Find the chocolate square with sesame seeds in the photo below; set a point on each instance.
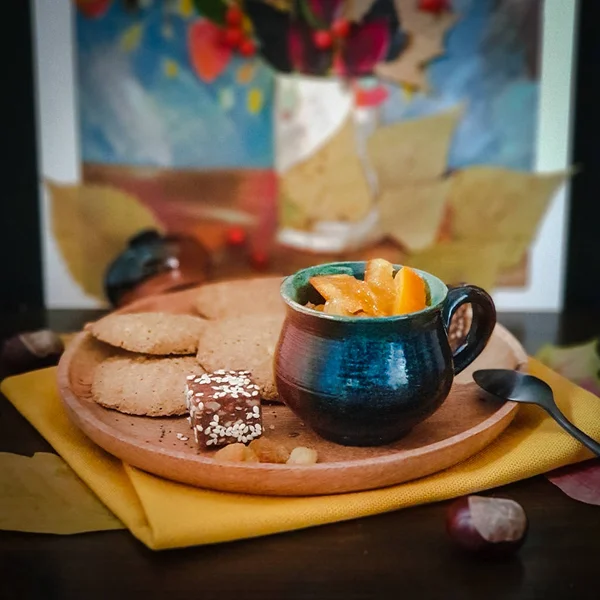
(224, 408)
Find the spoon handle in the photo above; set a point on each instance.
(585, 439)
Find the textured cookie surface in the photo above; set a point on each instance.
(141, 385)
(150, 333)
(226, 299)
(243, 343)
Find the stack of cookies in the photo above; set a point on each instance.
(216, 366)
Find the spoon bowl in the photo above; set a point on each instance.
(506, 384)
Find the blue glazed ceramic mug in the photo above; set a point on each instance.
(366, 381)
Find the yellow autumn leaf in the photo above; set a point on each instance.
(330, 184)
(131, 38)
(91, 225)
(255, 101)
(413, 150)
(412, 214)
(41, 494)
(466, 260)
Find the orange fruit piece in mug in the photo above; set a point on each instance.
(411, 295)
(346, 295)
(337, 306)
(379, 275)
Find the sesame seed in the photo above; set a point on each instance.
(255, 393)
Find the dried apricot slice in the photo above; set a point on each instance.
(379, 275)
(411, 295)
(346, 295)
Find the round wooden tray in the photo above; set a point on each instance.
(463, 426)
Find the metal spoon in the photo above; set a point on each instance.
(505, 384)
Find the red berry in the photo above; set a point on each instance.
(259, 260)
(234, 16)
(232, 38)
(236, 236)
(323, 39)
(247, 48)
(341, 28)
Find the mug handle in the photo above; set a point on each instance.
(482, 325)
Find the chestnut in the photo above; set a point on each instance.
(487, 526)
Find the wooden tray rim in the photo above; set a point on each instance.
(84, 420)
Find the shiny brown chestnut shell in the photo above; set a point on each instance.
(487, 526)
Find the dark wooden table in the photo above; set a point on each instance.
(400, 555)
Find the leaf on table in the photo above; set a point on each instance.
(42, 494)
(92, 225)
(579, 363)
(580, 482)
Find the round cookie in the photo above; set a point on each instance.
(226, 299)
(243, 343)
(141, 385)
(150, 333)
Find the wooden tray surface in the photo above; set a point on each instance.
(463, 426)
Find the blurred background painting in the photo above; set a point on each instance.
(282, 133)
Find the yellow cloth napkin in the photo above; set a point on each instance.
(163, 514)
